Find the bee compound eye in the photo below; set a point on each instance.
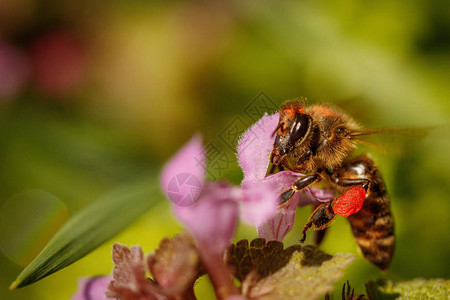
(299, 129)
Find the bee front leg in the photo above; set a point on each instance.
(298, 186)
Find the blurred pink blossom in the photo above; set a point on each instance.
(14, 71)
(59, 63)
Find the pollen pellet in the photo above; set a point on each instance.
(350, 202)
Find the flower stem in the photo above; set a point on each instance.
(188, 294)
(220, 275)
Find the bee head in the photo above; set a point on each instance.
(293, 128)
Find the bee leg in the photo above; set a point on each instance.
(319, 234)
(304, 182)
(286, 196)
(320, 219)
(305, 229)
(298, 186)
(351, 182)
(304, 158)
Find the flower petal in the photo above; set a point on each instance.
(213, 218)
(183, 176)
(322, 195)
(255, 147)
(278, 227)
(314, 196)
(92, 288)
(282, 181)
(259, 203)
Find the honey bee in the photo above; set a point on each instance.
(318, 141)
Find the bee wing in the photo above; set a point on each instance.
(391, 141)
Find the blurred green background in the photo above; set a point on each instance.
(95, 93)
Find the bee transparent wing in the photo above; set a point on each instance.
(396, 142)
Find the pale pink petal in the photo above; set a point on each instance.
(213, 218)
(278, 227)
(259, 203)
(255, 147)
(92, 288)
(182, 178)
(322, 195)
(314, 196)
(282, 181)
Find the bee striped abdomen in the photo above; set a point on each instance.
(373, 225)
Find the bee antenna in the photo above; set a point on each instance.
(378, 148)
(276, 129)
(420, 132)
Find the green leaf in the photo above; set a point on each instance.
(264, 258)
(413, 289)
(309, 274)
(90, 228)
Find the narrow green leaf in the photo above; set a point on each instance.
(90, 228)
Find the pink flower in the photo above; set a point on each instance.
(254, 149)
(92, 288)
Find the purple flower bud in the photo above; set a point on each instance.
(92, 288)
